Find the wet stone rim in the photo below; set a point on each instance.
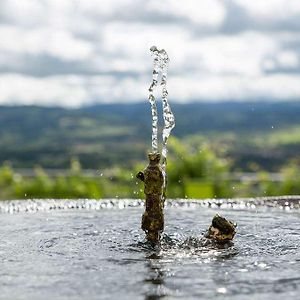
(285, 203)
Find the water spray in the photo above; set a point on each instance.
(154, 176)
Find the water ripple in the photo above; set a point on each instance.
(99, 252)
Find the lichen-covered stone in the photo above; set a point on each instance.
(153, 217)
(221, 230)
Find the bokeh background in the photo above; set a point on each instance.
(74, 75)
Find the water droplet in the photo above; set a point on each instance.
(243, 270)
(262, 265)
(222, 290)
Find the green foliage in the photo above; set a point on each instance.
(195, 166)
(194, 171)
(195, 189)
(7, 181)
(291, 179)
(265, 186)
(75, 185)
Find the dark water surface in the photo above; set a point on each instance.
(98, 253)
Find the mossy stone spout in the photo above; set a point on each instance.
(153, 217)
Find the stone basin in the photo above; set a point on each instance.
(89, 249)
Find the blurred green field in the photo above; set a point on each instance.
(253, 136)
(210, 145)
(193, 172)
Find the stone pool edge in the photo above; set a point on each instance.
(285, 203)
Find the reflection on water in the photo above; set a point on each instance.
(101, 254)
(171, 250)
(154, 279)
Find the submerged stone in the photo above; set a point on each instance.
(221, 230)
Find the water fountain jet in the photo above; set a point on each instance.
(154, 176)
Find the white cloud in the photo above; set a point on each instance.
(212, 54)
(208, 59)
(103, 7)
(25, 12)
(288, 59)
(233, 87)
(29, 11)
(233, 54)
(205, 13)
(18, 89)
(271, 10)
(130, 44)
(73, 91)
(69, 91)
(56, 43)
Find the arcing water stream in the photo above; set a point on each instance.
(154, 175)
(160, 68)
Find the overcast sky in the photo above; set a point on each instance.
(79, 52)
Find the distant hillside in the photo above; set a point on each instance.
(266, 134)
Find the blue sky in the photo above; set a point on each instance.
(78, 52)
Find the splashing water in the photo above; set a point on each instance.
(160, 67)
(169, 119)
(152, 100)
